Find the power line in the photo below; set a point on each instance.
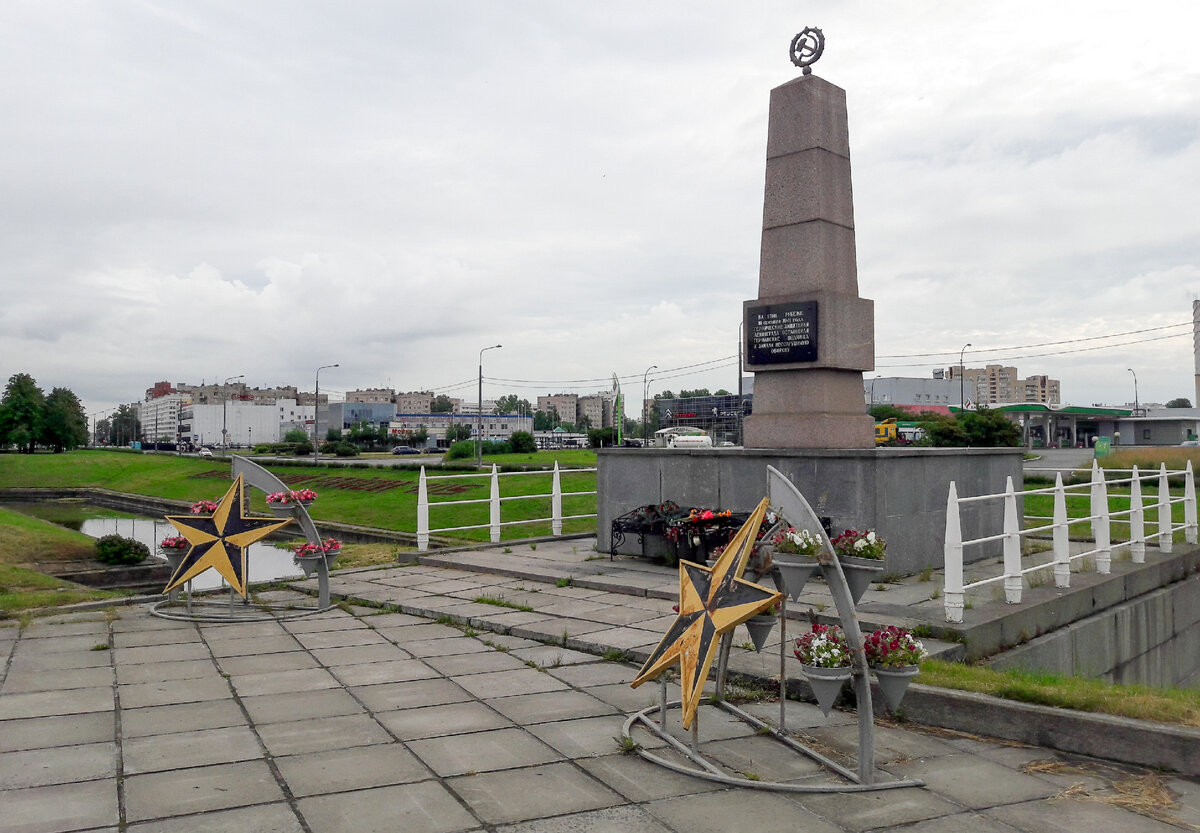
(1043, 344)
(1057, 352)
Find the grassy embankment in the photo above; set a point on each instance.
(1147, 460)
(25, 541)
(1163, 705)
(369, 496)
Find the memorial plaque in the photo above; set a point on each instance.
(781, 333)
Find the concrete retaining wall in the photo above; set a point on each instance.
(1153, 640)
(900, 492)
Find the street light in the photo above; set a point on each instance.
(873, 381)
(316, 409)
(1135, 392)
(479, 409)
(645, 396)
(962, 399)
(225, 413)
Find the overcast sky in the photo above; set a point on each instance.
(196, 190)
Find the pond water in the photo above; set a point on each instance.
(265, 561)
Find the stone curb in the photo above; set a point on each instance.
(1157, 745)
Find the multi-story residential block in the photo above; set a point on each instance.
(599, 410)
(374, 396)
(566, 405)
(159, 415)
(414, 402)
(997, 384)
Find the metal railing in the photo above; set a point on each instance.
(494, 501)
(1100, 516)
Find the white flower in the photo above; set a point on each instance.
(871, 536)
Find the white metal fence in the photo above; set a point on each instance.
(1100, 516)
(494, 501)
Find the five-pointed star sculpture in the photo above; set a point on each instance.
(711, 603)
(219, 540)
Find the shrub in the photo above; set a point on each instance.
(345, 449)
(114, 549)
(522, 442)
(461, 450)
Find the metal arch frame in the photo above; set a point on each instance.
(261, 479)
(787, 501)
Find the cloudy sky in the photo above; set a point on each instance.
(197, 190)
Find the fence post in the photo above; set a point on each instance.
(495, 506)
(953, 559)
(556, 504)
(1100, 521)
(1137, 520)
(1191, 528)
(1165, 535)
(1012, 547)
(1062, 541)
(422, 514)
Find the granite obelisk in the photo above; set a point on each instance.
(809, 336)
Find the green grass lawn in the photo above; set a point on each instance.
(25, 541)
(1078, 505)
(1163, 705)
(385, 498)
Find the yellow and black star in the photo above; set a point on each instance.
(219, 540)
(712, 602)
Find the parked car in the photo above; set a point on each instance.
(404, 449)
(1189, 444)
(204, 452)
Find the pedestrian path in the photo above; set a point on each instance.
(496, 709)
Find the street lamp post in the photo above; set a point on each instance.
(962, 398)
(873, 381)
(1135, 393)
(225, 413)
(317, 409)
(479, 409)
(645, 396)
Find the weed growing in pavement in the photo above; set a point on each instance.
(500, 601)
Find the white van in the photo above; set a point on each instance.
(689, 441)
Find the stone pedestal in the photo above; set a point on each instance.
(899, 492)
(809, 398)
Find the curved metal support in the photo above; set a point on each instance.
(263, 480)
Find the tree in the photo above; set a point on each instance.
(64, 424)
(522, 442)
(442, 404)
(511, 404)
(1181, 402)
(601, 437)
(666, 394)
(295, 435)
(457, 432)
(882, 412)
(983, 428)
(722, 392)
(124, 426)
(689, 394)
(21, 411)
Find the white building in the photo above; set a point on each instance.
(294, 416)
(159, 417)
(246, 424)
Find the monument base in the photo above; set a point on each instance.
(786, 431)
(899, 492)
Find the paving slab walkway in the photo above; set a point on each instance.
(502, 716)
